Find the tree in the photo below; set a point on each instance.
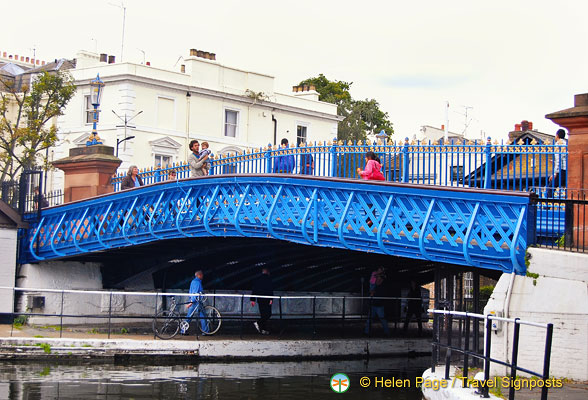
(361, 117)
(25, 119)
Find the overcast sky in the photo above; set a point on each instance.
(507, 60)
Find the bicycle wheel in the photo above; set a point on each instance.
(166, 324)
(212, 321)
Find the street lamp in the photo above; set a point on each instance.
(119, 141)
(96, 89)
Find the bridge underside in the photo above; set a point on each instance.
(231, 263)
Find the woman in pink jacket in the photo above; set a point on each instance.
(371, 172)
(372, 168)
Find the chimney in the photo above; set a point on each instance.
(4, 54)
(193, 52)
(213, 56)
(443, 127)
(183, 68)
(103, 57)
(148, 63)
(111, 59)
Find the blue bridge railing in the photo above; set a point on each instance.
(481, 228)
(505, 166)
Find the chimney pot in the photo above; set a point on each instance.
(193, 52)
(103, 57)
(4, 54)
(42, 62)
(305, 88)
(312, 87)
(443, 127)
(27, 59)
(213, 56)
(148, 63)
(206, 55)
(183, 69)
(294, 88)
(10, 57)
(111, 59)
(21, 58)
(199, 53)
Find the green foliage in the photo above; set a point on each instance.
(486, 292)
(124, 331)
(561, 242)
(38, 336)
(361, 117)
(534, 276)
(26, 120)
(19, 321)
(45, 346)
(47, 370)
(93, 331)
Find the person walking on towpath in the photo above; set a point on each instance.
(195, 305)
(262, 286)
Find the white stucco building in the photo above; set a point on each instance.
(231, 109)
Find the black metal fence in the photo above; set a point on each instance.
(57, 306)
(28, 195)
(562, 222)
(490, 324)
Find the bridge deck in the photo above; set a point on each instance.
(482, 228)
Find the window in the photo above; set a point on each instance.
(165, 113)
(89, 110)
(231, 122)
(468, 285)
(300, 134)
(162, 160)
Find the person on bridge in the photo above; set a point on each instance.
(195, 304)
(372, 169)
(415, 306)
(263, 286)
(284, 163)
(132, 180)
(560, 166)
(306, 164)
(197, 163)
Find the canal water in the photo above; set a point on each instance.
(224, 381)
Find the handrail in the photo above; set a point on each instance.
(513, 365)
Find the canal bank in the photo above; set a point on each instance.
(31, 348)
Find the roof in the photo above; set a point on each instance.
(11, 69)
(9, 217)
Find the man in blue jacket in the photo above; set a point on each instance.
(194, 306)
(284, 163)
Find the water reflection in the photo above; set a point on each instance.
(250, 380)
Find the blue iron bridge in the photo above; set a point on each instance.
(482, 228)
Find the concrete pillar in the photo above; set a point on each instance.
(575, 120)
(88, 171)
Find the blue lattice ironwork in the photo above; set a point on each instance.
(462, 226)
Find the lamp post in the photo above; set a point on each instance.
(119, 141)
(96, 88)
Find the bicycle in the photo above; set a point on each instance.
(167, 323)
